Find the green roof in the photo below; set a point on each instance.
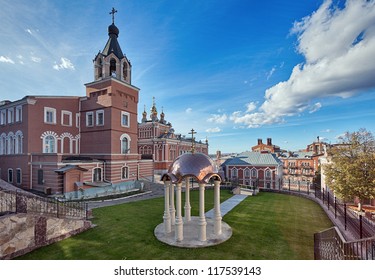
(254, 158)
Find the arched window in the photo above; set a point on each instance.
(112, 67)
(18, 142)
(234, 173)
(49, 144)
(100, 68)
(253, 173)
(124, 172)
(3, 144)
(268, 174)
(247, 173)
(11, 143)
(97, 174)
(125, 70)
(125, 144)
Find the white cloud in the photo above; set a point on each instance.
(36, 59)
(251, 106)
(216, 118)
(29, 31)
(315, 107)
(65, 64)
(328, 130)
(188, 110)
(270, 73)
(338, 45)
(6, 59)
(213, 130)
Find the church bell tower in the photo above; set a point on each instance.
(111, 61)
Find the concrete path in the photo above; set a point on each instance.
(227, 205)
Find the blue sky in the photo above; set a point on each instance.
(235, 71)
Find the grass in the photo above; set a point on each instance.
(267, 226)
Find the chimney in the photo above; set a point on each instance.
(269, 141)
(260, 141)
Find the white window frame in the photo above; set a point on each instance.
(127, 172)
(3, 117)
(49, 110)
(121, 146)
(10, 115)
(69, 114)
(47, 148)
(87, 119)
(19, 113)
(234, 173)
(125, 114)
(78, 119)
(98, 112)
(101, 174)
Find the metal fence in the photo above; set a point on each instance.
(358, 225)
(330, 245)
(20, 202)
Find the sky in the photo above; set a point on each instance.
(235, 71)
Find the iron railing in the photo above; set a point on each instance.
(330, 245)
(20, 202)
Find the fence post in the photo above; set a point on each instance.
(315, 189)
(328, 199)
(299, 186)
(57, 208)
(289, 184)
(360, 226)
(335, 207)
(323, 196)
(308, 188)
(345, 214)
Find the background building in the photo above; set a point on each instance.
(158, 141)
(260, 169)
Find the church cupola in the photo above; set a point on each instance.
(154, 111)
(144, 115)
(112, 62)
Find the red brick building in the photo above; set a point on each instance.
(157, 140)
(269, 147)
(57, 144)
(260, 169)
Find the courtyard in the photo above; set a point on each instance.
(268, 226)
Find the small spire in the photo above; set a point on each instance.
(113, 15)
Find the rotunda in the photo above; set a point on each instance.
(191, 231)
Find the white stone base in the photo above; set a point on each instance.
(191, 234)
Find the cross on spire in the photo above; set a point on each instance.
(113, 15)
(192, 140)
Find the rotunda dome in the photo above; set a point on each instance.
(196, 165)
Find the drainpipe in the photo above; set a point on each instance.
(31, 171)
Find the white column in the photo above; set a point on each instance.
(179, 222)
(172, 210)
(217, 212)
(202, 218)
(166, 217)
(187, 201)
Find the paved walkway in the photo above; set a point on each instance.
(227, 205)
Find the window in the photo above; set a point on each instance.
(268, 174)
(3, 116)
(125, 119)
(19, 114)
(18, 176)
(66, 118)
(247, 173)
(49, 144)
(77, 120)
(89, 119)
(97, 174)
(100, 117)
(40, 177)
(253, 173)
(124, 172)
(10, 115)
(2, 145)
(125, 144)
(49, 115)
(10, 175)
(234, 173)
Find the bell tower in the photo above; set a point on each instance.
(111, 61)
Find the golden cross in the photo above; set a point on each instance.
(192, 140)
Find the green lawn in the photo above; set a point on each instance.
(267, 226)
